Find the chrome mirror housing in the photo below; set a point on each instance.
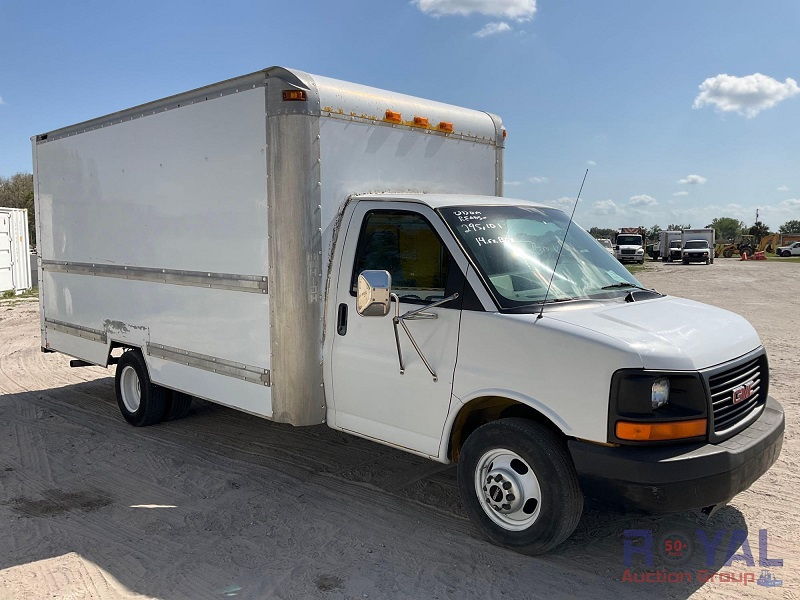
(373, 298)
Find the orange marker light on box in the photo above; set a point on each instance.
(289, 95)
(420, 121)
(393, 117)
(445, 126)
(673, 430)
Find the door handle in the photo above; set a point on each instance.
(341, 319)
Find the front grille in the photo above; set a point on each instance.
(628, 251)
(723, 385)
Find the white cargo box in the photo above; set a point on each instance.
(198, 228)
(15, 274)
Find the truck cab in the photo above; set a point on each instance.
(629, 248)
(455, 332)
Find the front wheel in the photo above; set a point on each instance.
(786, 253)
(519, 485)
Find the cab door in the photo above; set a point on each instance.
(370, 396)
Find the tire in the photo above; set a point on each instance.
(141, 402)
(786, 253)
(708, 261)
(532, 461)
(686, 262)
(177, 405)
(727, 253)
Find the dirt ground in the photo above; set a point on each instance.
(225, 505)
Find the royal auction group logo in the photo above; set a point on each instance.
(675, 549)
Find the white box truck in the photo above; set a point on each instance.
(669, 245)
(246, 243)
(15, 274)
(697, 245)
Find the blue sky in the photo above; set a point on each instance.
(611, 84)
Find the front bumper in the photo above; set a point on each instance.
(696, 257)
(673, 478)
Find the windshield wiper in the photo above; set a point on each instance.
(623, 284)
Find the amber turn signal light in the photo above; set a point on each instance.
(393, 117)
(421, 121)
(446, 127)
(289, 95)
(674, 430)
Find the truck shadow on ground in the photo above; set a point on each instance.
(222, 504)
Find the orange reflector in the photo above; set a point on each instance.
(393, 117)
(660, 431)
(505, 133)
(289, 95)
(421, 121)
(446, 127)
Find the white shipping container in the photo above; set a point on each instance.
(14, 250)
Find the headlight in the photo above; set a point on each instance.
(659, 393)
(655, 400)
(639, 251)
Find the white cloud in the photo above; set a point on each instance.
(565, 202)
(591, 163)
(791, 203)
(693, 179)
(747, 95)
(513, 182)
(492, 29)
(681, 193)
(642, 200)
(605, 207)
(517, 10)
(1, 100)
(538, 179)
(781, 188)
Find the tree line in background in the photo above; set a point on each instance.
(17, 192)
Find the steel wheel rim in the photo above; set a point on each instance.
(130, 389)
(507, 489)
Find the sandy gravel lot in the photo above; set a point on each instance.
(224, 505)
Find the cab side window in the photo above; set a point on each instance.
(407, 246)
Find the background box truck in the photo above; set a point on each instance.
(315, 251)
(15, 273)
(692, 248)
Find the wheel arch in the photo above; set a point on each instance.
(488, 407)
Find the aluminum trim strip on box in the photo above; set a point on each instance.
(223, 281)
(88, 333)
(210, 363)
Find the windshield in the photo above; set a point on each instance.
(629, 240)
(675, 244)
(696, 244)
(605, 243)
(515, 248)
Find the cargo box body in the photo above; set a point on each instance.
(198, 228)
(15, 275)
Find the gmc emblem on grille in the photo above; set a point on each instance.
(743, 392)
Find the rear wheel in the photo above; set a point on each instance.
(727, 253)
(519, 485)
(786, 253)
(177, 405)
(140, 401)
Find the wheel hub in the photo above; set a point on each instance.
(508, 489)
(501, 491)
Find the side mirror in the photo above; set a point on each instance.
(374, 293)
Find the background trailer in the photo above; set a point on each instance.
(15, 274)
